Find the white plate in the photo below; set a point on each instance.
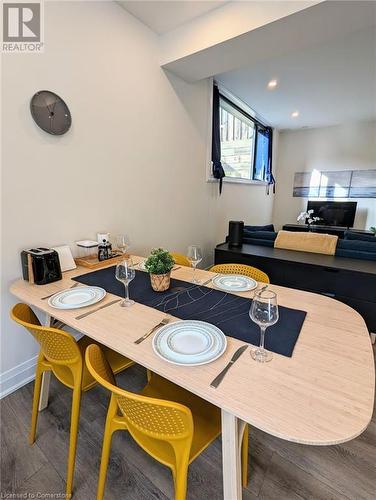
(87, 243)
(141, 265)
(189, 343)
(74, 298)
(234, 283)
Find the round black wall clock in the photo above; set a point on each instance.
(50, 112)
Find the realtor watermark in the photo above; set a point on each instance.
(22, 27)
(35, 496)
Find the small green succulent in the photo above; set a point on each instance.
(373, 229)
(159, 262)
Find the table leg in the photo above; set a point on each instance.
(232, 433)
(43, 400)
(44, 390)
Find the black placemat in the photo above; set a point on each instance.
(187, 301)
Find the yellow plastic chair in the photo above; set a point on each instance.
(171, 424)
(250, 271)
(61, 354)
(180, 259)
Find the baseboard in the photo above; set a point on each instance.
(16, 377)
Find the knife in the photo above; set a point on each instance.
(260, 290)
(98, 309)
(51, 294)
(218, 379)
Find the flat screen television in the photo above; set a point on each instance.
(334, 213)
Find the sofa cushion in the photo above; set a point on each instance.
(356, 249)
(263, 235)
(352, 235)
(355, 254)
(268, 227)
(306, 242)
(259, 241)
(354, 245)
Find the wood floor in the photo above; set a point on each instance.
(278, 469)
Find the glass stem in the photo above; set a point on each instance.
(262, 337)
(194, 273)
(126, 292)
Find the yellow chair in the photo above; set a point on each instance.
(61, 354)
(171, 424)
(251, 272)
(180, 259)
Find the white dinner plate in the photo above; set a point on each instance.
(74, 298)
(234, 283)
(141, 265)
(189, 343)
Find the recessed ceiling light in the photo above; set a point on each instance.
(272, 84)
(295, 114)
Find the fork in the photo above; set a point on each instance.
(208, 281)
(48, 296)
(161, 323)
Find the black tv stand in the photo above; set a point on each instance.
(336, 230)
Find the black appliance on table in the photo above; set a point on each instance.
(40, 265)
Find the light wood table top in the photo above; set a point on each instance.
(322, 395)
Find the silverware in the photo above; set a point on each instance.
(48, 296)
(259, 290)
(161, 323)
(98, 309)
(208, 281)
(176, 268)
(218, 379)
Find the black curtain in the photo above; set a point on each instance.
(218, 172)
(269, 174)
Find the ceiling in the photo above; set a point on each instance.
(165, 16)
(323, 58)
(327, 84)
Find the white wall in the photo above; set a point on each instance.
(343, 147)
(134, 159)
(248, 203)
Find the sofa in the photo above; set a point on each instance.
(353, 245)
(348, 276)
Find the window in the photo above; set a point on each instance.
(245, 144)
(237, 142)
(262, 151)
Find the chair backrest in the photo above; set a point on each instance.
(156, 418)
(250, 271)
(57, 346)
(180, 259)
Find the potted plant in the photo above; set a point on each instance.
(159, 265)
(373, 230)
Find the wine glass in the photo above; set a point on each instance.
(122, 242)
(194, 256)
(125, 273)
(264, 312)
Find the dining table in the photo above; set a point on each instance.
(322, 395)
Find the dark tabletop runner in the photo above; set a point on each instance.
(228, 312)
